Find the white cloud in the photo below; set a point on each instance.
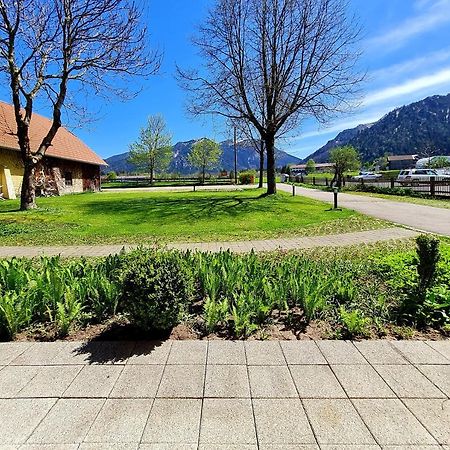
(409, 87)
(432, 15)
(413, 65)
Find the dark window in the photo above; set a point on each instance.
(68, 178)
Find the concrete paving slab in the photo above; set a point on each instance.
(155, 352)
(227, 381)
(391, 423)
(75, 353)
(418, 352)
(168, 447)
(288, 447)
(228, 447)
(107, 446)
(50, 381)
(94, 381)
(271, 382)
(264, 353)
(316, 381)
(109, 352)
(362, 381)
(138, 381)
(68, 422)
(182, 382)
(40, 355)
(19, 417)
(282, 421)
(15, 378)
(443, 347)
(341, 352)
(174, 421)
(47, 447)
(227, 421)
(302, 352)
(439, 375)
(434, 414)
(351, 447)
(226, 352)
(188, 352)
(120, 420)
(335, 421)
(380, 352)
(11, 350)
(408, 382)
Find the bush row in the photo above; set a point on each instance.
(227, 293)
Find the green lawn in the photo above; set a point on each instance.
(169, 216)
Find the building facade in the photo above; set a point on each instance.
(69, 165)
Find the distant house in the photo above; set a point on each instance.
(69, 165)
(320, 167)
(400, 162)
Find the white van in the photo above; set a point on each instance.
(409, 175)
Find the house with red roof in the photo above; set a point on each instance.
(69, 165)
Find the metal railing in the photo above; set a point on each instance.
(434, 186)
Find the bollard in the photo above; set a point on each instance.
(335, 194)
(194, 187)
(293, 190)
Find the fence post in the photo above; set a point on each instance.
(314, 181)
(301, 178)
(326, 182)
(432, 186)
(362, 182)
(392, 183)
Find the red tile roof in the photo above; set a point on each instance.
(65, 144)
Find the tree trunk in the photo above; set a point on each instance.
(28, 193)
(151, 175)
(261, 164)
(270, 150)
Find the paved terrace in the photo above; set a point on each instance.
(186, 395)
(337, 240)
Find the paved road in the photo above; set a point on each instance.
(336, 240)
(224, 395)
(420, 217)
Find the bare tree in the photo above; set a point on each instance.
(47, 46)
(273, 63)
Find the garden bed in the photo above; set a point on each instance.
(383, 291)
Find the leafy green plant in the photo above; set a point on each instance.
(427, 260)
(68, 310)
(354, 322)
(215, 313)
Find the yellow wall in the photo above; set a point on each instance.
(11, 160)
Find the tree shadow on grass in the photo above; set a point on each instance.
(182, 209)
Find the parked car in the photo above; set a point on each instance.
(409, 175)
(367, 176)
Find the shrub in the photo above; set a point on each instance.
(427, 261)
(157, 287)
(247, 177)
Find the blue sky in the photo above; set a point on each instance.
(406, 47)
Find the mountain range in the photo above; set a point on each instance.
(247, 158)
(417, 128)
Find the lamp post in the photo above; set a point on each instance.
(335, 195)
